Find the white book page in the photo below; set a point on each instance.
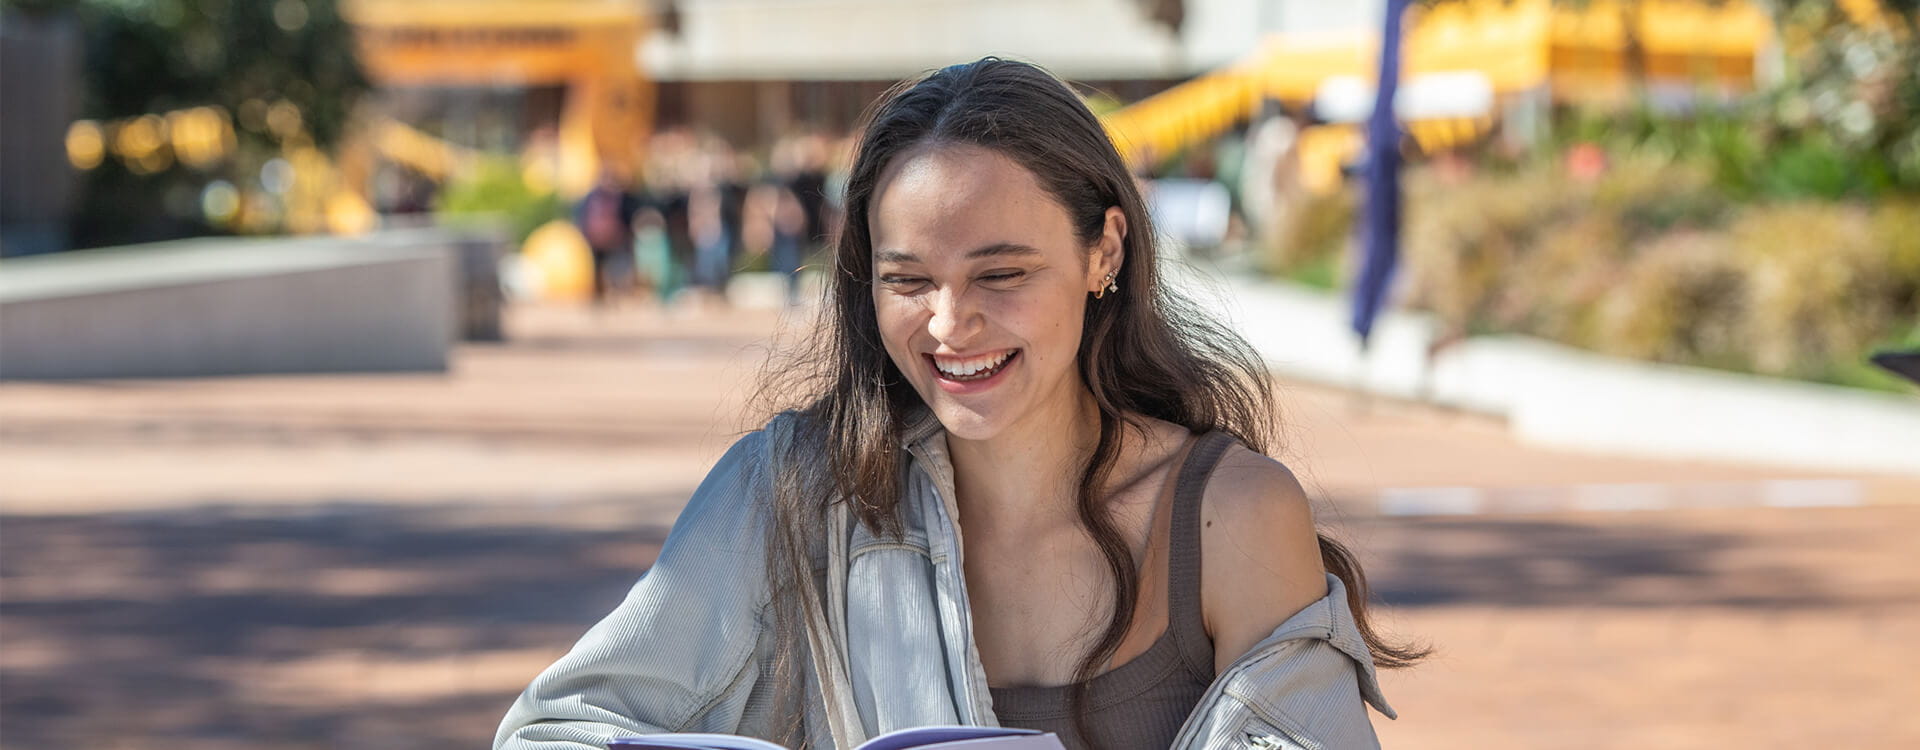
(969, 737)
(691, 742)
(1015, 742)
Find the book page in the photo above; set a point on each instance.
(970, 737)
(691, 742)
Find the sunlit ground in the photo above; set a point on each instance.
(385, 561)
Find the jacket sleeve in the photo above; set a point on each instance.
(1306, 686)
(679, 653)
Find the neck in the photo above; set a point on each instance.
(1029, 473)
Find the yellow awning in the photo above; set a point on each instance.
(1516, 44)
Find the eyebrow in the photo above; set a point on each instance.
(984, 251)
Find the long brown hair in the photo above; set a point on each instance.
(1143, 352)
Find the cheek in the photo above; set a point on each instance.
(1051, 320)
(1067, 325)
(898, 320)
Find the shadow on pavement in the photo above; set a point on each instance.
(338, 625)
(368, 626)
(1763, 559)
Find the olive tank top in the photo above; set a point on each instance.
(1143, 703)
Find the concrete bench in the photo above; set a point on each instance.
(387, 302)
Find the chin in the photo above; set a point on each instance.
(964, 423)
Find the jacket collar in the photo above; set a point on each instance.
(921, 426)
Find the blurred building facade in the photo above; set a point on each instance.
(752, 69)
(572, 87)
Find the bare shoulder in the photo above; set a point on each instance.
(1151, 447)
(1260, 556)
(1251, 489)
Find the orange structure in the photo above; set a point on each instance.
(588, 47)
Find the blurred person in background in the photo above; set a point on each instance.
(653, 253)
(997, 355)
(713, 215)
(805, 175)
(1270, 160)
(775, 223)
(737, 171)
(605, 217)
(669, 173)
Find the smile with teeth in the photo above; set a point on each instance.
(972, 368)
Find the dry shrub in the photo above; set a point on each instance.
(1821, 287)
(1896, 226)
(1312, 231)
(1535, 251)
(1649, 195)
(1555, 289)
(1652, 262)
(1463, 240)
(1681, 300)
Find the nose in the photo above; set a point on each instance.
(955, 320)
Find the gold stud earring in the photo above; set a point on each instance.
(1107, 285)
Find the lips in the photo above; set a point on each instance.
(971, 371)
(972, 368)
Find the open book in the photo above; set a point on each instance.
(918, 738)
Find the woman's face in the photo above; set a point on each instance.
(980, 286)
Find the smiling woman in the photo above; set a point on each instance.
(980, 289)
(1021, 484)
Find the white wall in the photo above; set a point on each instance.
(1321, 16)
(885, 39)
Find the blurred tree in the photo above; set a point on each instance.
(1842, 120)
(496, 190)
(1845, 119)
(283, 70)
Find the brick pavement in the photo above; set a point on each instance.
(382, 561)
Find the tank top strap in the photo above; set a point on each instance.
(1185, 621)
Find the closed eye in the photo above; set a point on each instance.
(1003, 276)
(902, 283)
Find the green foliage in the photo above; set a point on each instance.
(154, 56)
(148, 56)
(1101, 102)
(1747, 158)
(495, 190)
(1843, 122)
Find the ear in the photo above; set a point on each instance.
(1107, 253)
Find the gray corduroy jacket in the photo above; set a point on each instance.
(688, 649)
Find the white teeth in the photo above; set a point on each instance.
(967, 367)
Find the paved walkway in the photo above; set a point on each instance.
(383, 561)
